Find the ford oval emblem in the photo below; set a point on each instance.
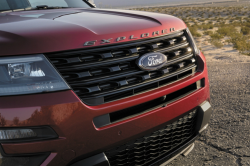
(152, 61)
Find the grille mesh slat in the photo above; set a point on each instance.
(110, 73)
(152, 147)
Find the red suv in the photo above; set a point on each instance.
(81, 86)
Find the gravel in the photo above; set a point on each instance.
(226, 142)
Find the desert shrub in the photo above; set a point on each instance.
(187, 23)
(240, 42)
(226, 30)
(196, 26)
(208, 33)
(243, 46)
(247, 24)
(210, 26)
(216, 36)
(194, 31)
(238, 18)
(217, 43)
(245, 30)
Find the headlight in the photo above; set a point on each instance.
(196, 49)
(28, 74)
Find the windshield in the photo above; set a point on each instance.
(25, 4)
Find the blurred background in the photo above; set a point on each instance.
(141, 3)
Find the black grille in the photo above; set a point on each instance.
(110, 73)
(151, 148)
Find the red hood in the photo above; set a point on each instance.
(32, 32)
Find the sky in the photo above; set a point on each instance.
(130, 3)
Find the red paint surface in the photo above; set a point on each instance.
(72, 119)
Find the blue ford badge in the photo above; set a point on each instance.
(152, 61)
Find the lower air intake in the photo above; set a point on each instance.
(148, 149)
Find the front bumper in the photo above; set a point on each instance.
(73, 121)
(204, 112)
